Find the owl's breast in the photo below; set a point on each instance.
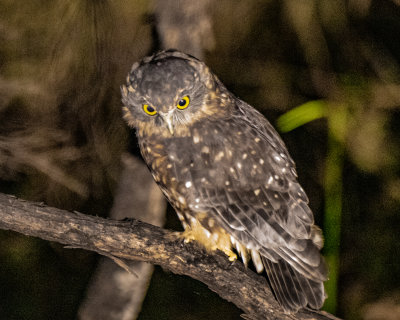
(170, 161)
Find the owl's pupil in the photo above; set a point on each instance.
(182, 102)
(150, 109)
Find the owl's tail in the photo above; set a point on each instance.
(292, 289)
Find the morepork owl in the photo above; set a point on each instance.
(227, 173)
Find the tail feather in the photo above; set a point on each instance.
(313, 290)
(293, 290)
(300, 262)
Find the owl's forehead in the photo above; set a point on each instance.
(166, 77)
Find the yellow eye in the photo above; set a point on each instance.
(183, 103)
(149, 110)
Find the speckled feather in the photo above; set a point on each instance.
(226, 169)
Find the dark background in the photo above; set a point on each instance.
(62, 136)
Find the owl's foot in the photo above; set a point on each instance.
(187, 235)
(214, 239)
(231, 255)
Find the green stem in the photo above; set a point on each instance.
(333, 207)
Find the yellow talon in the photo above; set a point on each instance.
(231, 255)
(217, 240)
(187, 235)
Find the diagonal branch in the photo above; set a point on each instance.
(135, 240)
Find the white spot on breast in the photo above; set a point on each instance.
(270, 180)
(257, 192)
(203, 179)
(261, 161)
(181, 199)
(205, 149)
(196, 139)
(283, 170)
(227, 183)
(197, 200)
(188, 184)
(169, 166)
(148, 149)
(239, 165)
(173, 179)
(244, 156)
(239, 133)
(277, 158)
(276, 177)
(253, 152)
(231, 170)
(219, 156)
(211, 223)
(257, 139)
(276, 196)
(254, 166)
(207, 233)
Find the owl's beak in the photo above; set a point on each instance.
(167, 118)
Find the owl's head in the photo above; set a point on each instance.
(167, 92)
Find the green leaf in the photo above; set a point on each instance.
(301, 115)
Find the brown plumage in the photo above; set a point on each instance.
(226, 172)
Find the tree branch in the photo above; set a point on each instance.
(135, 240)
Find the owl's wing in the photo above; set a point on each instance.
(249, 185)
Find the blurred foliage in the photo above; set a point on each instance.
(298, 116)
(337, 124)
(61, 134)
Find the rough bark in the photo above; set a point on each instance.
(135, 240)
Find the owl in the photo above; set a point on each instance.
(227, 174)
